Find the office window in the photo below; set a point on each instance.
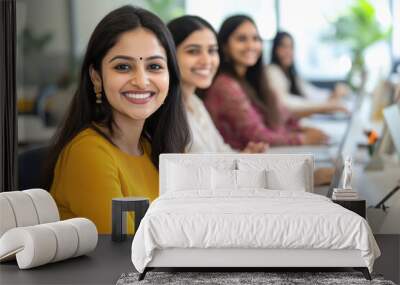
(262, 11)
(317, 59)
(396, 29)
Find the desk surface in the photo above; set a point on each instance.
(110, 259)
(102, 266)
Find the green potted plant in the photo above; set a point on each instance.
(358, 28)
(166, 9)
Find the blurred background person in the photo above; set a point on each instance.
(240, 100)
(198, 59)
(299, 96)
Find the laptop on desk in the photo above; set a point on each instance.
(339, 165)
(335, 153)
(348, 147)
(392, 119)
(328, 152)
(344, 135)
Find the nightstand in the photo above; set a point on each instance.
(120, 206)
(357, 206)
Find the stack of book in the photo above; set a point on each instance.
(344, 194)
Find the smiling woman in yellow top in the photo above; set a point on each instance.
(126, 111)
(91, 171)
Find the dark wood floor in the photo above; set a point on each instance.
(389, 262)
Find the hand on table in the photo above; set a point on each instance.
(312, 136)
(256, 147)
(323, 176)
(339, 91)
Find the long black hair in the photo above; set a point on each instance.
(166, 129)
(259, 92)
(290, 72)
(184, 26)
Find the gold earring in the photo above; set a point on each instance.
(97, 91)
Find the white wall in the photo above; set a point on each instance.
(88, 14)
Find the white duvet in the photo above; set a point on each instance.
(250, 219)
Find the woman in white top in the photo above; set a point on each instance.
(300, 97)
(198, 59)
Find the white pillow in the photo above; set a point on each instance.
(279, 180)
(182, 177)
(223, 179)
(251, 178)
(227, 179)
(283, 173)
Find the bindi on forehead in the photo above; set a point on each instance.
(136, 58)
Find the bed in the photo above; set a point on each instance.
(246, 211)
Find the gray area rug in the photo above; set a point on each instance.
(269, 278)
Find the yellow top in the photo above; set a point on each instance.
(90, 171)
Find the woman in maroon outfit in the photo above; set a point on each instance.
(240, 101)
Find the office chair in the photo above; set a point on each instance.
(30, 168)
